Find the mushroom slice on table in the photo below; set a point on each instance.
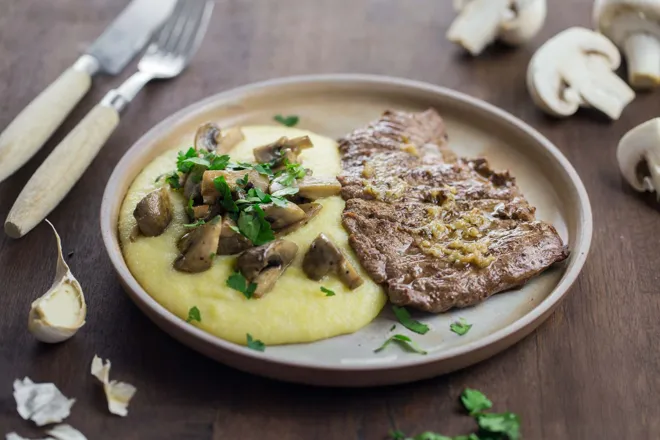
(210, 193)
(324, 257)
(575, 69)
(154, 212)
(231, 241)
(281, 150)
(481, 22)
(634, 26)
(198, 247)
(281, 216)
(311, 210)
(263, 265)
(311, 188)
(638, 155)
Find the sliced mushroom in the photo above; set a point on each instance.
(209, 192)
(324, 257)
(201, 212)
(281, 149)
(311, 209)
(263, 265)
(311, 188)
(282, 216)
(192, 189)
(575, 68)
(231, 138)
(231, 242)
(154, 212)
(638, 155)
(198, 247)
(208, 137)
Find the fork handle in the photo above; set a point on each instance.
(61, 170)
(36, 123)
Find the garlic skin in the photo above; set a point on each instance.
(61, 311)
(118, 394)
(43, 403)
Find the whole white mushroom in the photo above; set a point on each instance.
(574, 69)
(634, 26)
(481, 22)
(641, 146)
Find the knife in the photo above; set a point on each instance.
(109, 54)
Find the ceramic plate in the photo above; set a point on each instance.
(333, 105)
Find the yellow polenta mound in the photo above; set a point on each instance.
(295, 310)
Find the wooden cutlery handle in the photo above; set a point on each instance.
(27, 133)
(61, 170)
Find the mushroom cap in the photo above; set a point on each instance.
(640, 144)
(527, 22)
(618, 19)
(558, 62)
(208, 136)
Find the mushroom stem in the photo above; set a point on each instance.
(643, 54)
(478, 24)
(652, 182)
(603, 89)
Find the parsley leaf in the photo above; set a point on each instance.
(431, 436)
(289, 121)
(199, 222)
(182, 163)
(238, 282)
(288, 191)
(404, 341)
(290, 174)
(397, 435)
(327, 291)
(460, 327)
(255, 344)
(404, 318)
(254, 226)
(505, 423)
(194, 315)
(174, 180)
(217, 162)
(189, 208)
(263, 168)
(243, 181)
(227, 201)
(393, 327)
(475, 401)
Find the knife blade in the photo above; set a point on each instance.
(112, 50)
(129, 33)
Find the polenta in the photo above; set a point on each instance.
(295, 310)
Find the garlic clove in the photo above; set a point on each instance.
(61, 311)
(118, 394)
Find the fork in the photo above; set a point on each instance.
(166, 57)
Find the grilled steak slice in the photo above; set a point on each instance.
(438, 231)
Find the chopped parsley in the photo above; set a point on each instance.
(255, 344)
(289, 121)
(217, 162)
(460, 327)
(397, 435)
(243, 181)
(507, 424)
(227, 201)
(288, 191)
(253, 224)
(189, 209)
(327, 291)
(475, 401)
(199, 222)
(263, 168)
(393, 327)
(183, 165)
(403, 340)
(194, 315)
(238, 282)
(404, 318)
(290, 174)
(174, 180)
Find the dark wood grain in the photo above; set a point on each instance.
(591, 371)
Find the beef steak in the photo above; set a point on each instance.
(436, 230)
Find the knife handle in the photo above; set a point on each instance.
(61, 170)
(27, 133)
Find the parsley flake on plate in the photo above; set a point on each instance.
(460, 327)
(194, 315)
(404, 318)
(327, 291)
(507, 424)
(255, 344)
(238, 282)
(403, 340)
(475, 401)
(289, 121)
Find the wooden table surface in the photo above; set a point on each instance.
(591, 371)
